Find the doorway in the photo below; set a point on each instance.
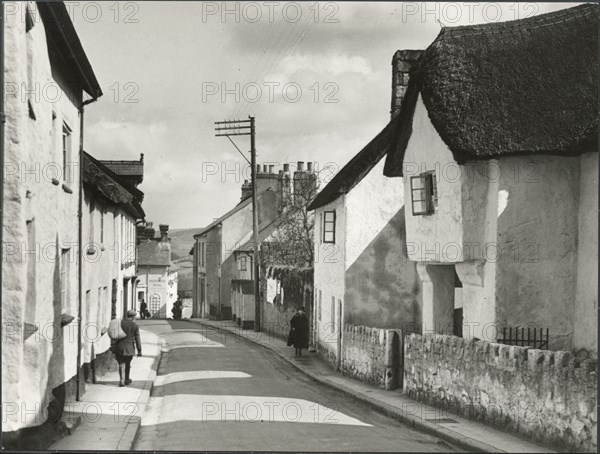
(442, 300)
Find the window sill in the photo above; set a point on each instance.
(67, 189)
(55, 182)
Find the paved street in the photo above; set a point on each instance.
(217, 392)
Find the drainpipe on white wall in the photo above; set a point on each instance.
(80, 243)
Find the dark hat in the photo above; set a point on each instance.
(131, 313)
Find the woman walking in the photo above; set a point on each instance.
(298, 336)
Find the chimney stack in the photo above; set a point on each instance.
(246, 190)
(164, 230)
(149, 231)
(309, 167)
(402, 63)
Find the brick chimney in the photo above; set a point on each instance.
(164, 230)
(140, 231)
(149, 231)
(402, 62)
(299, 177)
(246, 189)
(265, 179)
(284, 189)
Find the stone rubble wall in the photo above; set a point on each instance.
(365, 354)
(549, 396)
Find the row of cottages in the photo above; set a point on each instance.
(492, 160)
(111, 209)
(63, 275)
(156, 281)
(131, 174)
(216, 282)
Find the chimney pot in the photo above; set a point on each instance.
(265, 168)
(300, 166)
(286, 167)
(309, 166)
(257, 168)
(271, 168)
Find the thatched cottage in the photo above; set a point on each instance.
(498, 150)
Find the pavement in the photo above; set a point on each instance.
(109, 416)
(458, 431)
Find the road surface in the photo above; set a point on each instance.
(215, 391)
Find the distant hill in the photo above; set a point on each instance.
(182, 241)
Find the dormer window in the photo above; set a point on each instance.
(423, 190)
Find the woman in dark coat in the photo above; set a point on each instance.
(298, 332)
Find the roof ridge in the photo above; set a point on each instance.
(528, 23)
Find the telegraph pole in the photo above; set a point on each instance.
(244, 128)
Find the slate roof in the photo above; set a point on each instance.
(521, 87)
(60, 30)
(358, 167)
(231, 212)
(263, 234)
(153, 252)
(101, 181)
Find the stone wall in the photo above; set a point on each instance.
(276, 319)
(547, 396)
(367, 354)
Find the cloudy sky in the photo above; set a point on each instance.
(316, 76)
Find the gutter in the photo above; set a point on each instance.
(80, 242)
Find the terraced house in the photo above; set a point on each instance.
(41, 272)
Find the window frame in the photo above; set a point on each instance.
(429, 188)
(66, 151)
(243, 262)
(324, 229)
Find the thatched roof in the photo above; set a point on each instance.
(358, 167)
(103, 183)
(521, 87)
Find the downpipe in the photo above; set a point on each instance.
(80, 242)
